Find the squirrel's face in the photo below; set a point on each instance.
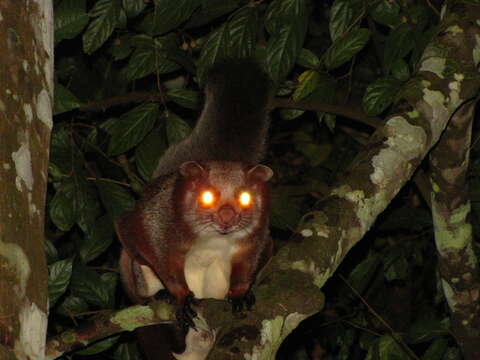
(224, 197)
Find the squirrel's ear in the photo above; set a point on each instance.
(191, 169)
(260, 173)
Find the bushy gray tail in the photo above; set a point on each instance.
(234, 122)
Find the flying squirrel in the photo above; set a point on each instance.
(200, 228)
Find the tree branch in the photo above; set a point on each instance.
(109, 323)
(458, 264)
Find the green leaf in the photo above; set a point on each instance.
(88, 285)
(50, 251)
(398, 44)
(99, 346)
(346, 47)
(426, 327)
(177, 128)
(213, 50)
(70, 19)
(110, 282)
(386, 348)
(387, 13)
(64, 100)
(209, 10)
(167, 15)
(396, 266)
(69, 202)
(187, 98)
(132, 127)
(400, 70)
(315, 152)
(363, 273)
(72, 305)
(290, 114)
(149, 151)
(121, 47)
(436, 350)
(115, 198)
(308, 82)
(286, 21)
(59, 274)
(106, 14)
(308, 59)
(127, 352)
(340, 18)
(65, 158)
(286, 209)
(380, 95)
(97, 240)
(150, 56)
(243, 32)
(133, 7)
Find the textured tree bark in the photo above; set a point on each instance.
(26, 68)
(458, 264)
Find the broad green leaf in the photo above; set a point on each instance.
(69, 202)
(315, 152)
(286, 210)
(115, 198)
(127, 351)
(387, 13)
(187, 98)
(286, 21)
(398, 44)
(426, 327)
(167, 15)
(290, 114)
(106, 14)
(70, 19)
(99, 346)
(308, 59)
(97, 240)
(132, 127)
(340, 18)
(213, 50)
(177, 128)
(386, 348)
(343, 49)
(396, 266)
(88, 285)
(150, 56)
(400, 70)
(133, 7)
(211, 9)
(436, 350)
(149, 151)
(110, 282)
(65, 157)
(121, 47)
(308, 82)
(64, 100)
(363, 273)
(325, 89)
(50, 251)
(72, 305)
(380, 95)
(59, 274)
(243, 32)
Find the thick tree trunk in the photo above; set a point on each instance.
(26, 40)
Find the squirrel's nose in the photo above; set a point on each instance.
(226, 214)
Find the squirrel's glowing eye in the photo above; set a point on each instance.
(207, 198)
(245, 199)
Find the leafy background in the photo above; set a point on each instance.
(128, 79)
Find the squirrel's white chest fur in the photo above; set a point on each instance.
(208, 265)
